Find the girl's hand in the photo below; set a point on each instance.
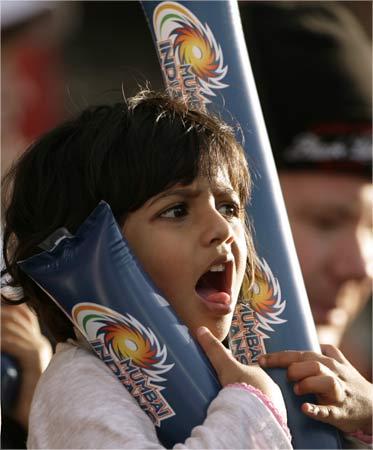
(230, 371)
(21, 337)
(344, 396)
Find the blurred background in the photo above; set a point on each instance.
(58, 57)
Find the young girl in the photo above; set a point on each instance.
(177, 182)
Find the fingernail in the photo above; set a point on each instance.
(296, 388)
(262, 361)
(201, 331)
(312, 409)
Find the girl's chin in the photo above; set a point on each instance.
(218, 324)
(220, 329)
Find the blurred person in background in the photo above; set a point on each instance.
(22, 339)
(32, 71)
(31, 103)
(312, 64)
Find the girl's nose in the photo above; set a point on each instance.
(215, 229)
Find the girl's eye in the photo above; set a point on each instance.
(229, 210)
(175, 212)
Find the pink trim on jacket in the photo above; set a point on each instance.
(361, 436)
(266, 400)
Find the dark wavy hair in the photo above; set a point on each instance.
(124, 154)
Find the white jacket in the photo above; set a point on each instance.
(80, 404)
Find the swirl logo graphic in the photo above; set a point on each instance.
(265, 298)
(191, 59)
(261, 308)
(132, 352)
(127, 342)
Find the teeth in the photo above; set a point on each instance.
(217, 268)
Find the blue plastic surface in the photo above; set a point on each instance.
(203, 56)
(10, 382)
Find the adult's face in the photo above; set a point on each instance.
(331, 220)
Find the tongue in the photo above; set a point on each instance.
(213, 295)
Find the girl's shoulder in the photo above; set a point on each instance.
(79, 393)
(69, 355)
(73, 365)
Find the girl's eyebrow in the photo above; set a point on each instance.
(193, 193)
(182, 192)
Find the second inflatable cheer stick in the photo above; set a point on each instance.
(203, 57)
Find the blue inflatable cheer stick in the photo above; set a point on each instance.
(203, 56)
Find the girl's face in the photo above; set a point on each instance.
(191, 241)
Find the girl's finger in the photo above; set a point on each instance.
(323, 385)
(214, 350)
(323, 413)
(280, 359)
(285, 358)
(299, 370)
(332, 352)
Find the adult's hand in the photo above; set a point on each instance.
(21, 338)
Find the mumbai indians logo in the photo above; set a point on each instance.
(191, 60)
(132, 352)
(256, 315)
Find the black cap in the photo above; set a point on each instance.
(312, 64)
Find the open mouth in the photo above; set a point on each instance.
(214, 286)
